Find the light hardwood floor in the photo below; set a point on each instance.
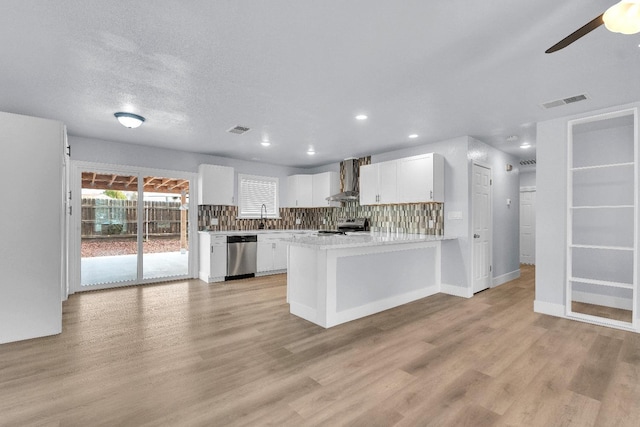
(189, 353)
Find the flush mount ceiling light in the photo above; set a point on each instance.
(525, 145)
(265, 143)
(362, 117)
(129, 120)
(311, 151)
(413, 136)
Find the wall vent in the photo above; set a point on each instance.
(527, 162)
(564, 101)
(239, 129)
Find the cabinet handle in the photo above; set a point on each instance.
(211, 249)
(431, 194)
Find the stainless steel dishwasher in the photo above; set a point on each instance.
(241, 256)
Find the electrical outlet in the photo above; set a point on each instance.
(298, 221)
(214, 221)
(324, 221)
(430, 223)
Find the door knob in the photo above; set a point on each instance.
(476, 236)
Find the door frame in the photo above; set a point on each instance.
(527, 189)
(75, 186)
(471, 224)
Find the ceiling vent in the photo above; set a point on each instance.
(564, 101)
(239, 129)
(527, 162)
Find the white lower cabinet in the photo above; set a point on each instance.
(272, 253)
(213, 257)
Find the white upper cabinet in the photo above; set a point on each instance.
(216, 185)
(324, 185)
(378, 183)
(421, 179)
(300, 191)
(417, 179)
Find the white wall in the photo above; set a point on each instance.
(551, 207)
(528, 179)
(109, 152)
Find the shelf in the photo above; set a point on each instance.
(613, 165)
(604, 207)
(612, 248)
(602, 321)
(602, 283)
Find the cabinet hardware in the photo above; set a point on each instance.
(431, 194)
(476, 236)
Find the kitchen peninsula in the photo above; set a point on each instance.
(336, 279)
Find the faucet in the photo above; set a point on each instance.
(261, 226)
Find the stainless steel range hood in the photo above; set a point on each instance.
(349, 170)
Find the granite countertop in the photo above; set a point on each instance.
(263, 231)
(353, 240)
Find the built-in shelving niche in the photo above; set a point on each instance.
(602, 220)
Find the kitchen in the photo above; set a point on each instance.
(472, 124)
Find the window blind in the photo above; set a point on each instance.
(255, 191)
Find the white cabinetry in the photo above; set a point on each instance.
(378, 183)
(324, 185)
(421, 179)
(272, 253)
(213, 257)
(602, 216)
(32, 256)
(216, 185)
(417, 179)
(299, 191)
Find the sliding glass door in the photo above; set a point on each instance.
(165, 246)
(132, 226)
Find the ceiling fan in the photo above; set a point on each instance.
(622, 17)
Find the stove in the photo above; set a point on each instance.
(348, 225)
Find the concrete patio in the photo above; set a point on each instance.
(123, 268)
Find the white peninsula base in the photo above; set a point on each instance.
(330, 282)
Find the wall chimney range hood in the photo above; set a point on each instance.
(349, 171)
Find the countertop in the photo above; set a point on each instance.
(354, 240)
(263, 231)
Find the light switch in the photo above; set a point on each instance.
(508, 202)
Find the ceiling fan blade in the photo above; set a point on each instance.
(581, 32)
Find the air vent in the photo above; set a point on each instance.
(239, 129)
(527, 162)
(565, 101)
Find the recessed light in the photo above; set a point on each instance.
(265, 143)
(525, 145)
(311, 152)
(413, 136)
(362, 117)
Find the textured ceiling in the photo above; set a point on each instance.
(298, 71)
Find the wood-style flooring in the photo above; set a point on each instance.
(192, 354)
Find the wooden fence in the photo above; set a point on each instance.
(114, 217)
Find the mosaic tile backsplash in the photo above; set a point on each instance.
(421, 218)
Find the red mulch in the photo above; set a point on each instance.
(107, 247)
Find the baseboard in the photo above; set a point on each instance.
(551, 309)
(500, 280)
(605, 300)
(456, 291)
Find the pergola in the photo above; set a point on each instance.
(155, 184)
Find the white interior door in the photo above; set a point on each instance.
(481, 228)
(528, 227)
